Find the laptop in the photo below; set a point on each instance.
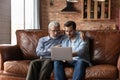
(61, 53)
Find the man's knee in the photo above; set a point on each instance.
(37, 62)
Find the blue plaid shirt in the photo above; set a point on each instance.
(79, 46)
(45, 44)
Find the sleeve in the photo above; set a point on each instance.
(83, 48)
(41, 50)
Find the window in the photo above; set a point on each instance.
(24, 15)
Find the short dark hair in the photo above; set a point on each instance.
(70, 23)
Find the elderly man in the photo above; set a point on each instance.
(43, 66)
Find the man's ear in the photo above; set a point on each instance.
(49, 31)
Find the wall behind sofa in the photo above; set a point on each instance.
(5, 21)
(49, 13)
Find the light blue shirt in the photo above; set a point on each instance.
(79, 46)
(45, 44)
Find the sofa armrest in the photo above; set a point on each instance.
(118, 66)
(9, 52)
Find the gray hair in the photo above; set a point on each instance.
(53, 23)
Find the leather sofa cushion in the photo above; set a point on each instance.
(17, 67)
(101, 71)
(8, 77)
(94, 72)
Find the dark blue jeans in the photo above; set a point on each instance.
(79, 69)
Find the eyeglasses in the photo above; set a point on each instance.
(55, 30)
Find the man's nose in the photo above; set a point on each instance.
(68, 33)
(56, 32)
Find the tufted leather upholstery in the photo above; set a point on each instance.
(104, 50)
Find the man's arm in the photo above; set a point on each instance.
(41, 50)
(82, 48)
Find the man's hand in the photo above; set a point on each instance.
(64, 60)
(58, 45)
(82, 36)
(74, 54)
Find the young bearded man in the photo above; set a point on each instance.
(81, 56)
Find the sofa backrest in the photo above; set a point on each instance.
(104, 45)
(28, 39)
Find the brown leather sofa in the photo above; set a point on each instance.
(104, 50)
